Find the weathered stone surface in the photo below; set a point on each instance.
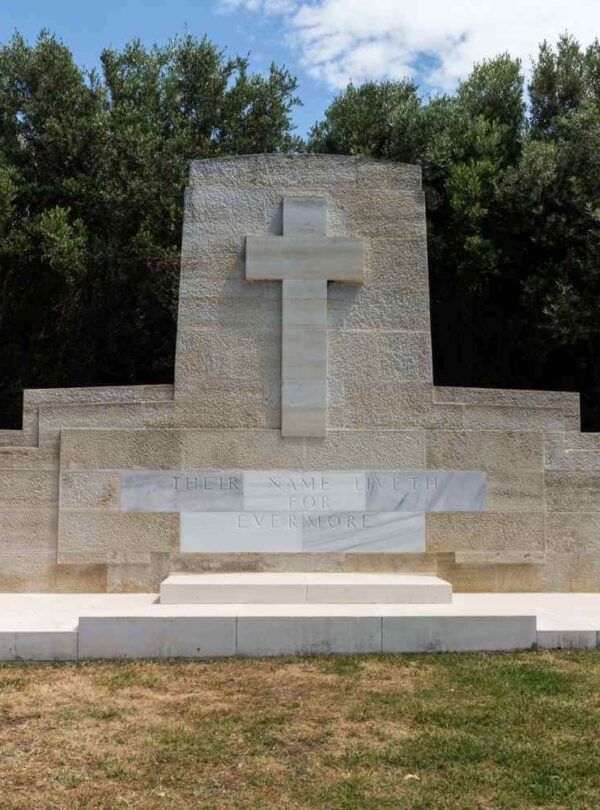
(462, 531)
(572, 490)
(494, 417)
(21, 489)
(485, 450)
(565, 401)
(102, 536)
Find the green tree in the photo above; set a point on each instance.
(92, 171)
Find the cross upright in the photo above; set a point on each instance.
(304, 258)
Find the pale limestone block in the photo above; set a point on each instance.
(7, 645)
(197, 285)
(121, 449)
(485, 531)
(380, 174)
(240, 449)
(93, 415)
(421, 563)
(46, 645)
(307, 635)
(305, 215)
(412, 634)
(396, 309)
(500, 557)
(517, 490)
(225, 354)
(21, 489)
(485, 450)
(494, 417)
(13, 438)
(349, 449)
(394, 262)
(518, 577)
(573, 532)
(470, 578)
(240, 313)
(573, 423)
(362, 358)
(155, 636)
(566, 639)
(570, 572)
(28, 458)
(565, 401)
(229, 405)
(284, 171)
(28, 540)
(393, 406)
(378, 213)
(582, 441)
(95, 489)
(144, 577)
(572, 490)
(102, 536)
(280, 257)
(236, 211)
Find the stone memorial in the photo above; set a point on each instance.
(303, 433)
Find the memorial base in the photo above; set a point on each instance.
(299, 588)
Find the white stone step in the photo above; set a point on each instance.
(298, 588)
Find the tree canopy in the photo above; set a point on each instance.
(93, 166)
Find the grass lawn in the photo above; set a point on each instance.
(435, 731)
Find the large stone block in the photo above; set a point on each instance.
(22, 489)
(565, 401)
(573, 532)
(572, 490)
(392, 406)
(485, 450)
(359, 358)
(121, 449)
(457, 531)
(103, 537)
(368, 449)
(90, 489)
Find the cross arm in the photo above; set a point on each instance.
(318, 257)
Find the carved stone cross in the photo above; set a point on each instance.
(304, 259)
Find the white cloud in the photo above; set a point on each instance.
(343, 40)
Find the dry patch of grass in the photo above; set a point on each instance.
(439, 731)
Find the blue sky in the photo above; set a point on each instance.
(325, 43)
(87, 27)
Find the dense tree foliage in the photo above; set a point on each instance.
(92, 171)
(512, 180)
(93, 165)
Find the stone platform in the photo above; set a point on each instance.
(297, 588)
(80, 626)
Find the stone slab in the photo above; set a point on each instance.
(567, 639)
(277, 257)
(291, 588)
(295, 532)
(156, 636)
(308, 635)
(302, 491)
(457, 633)
(46, 645)
(132, 625)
